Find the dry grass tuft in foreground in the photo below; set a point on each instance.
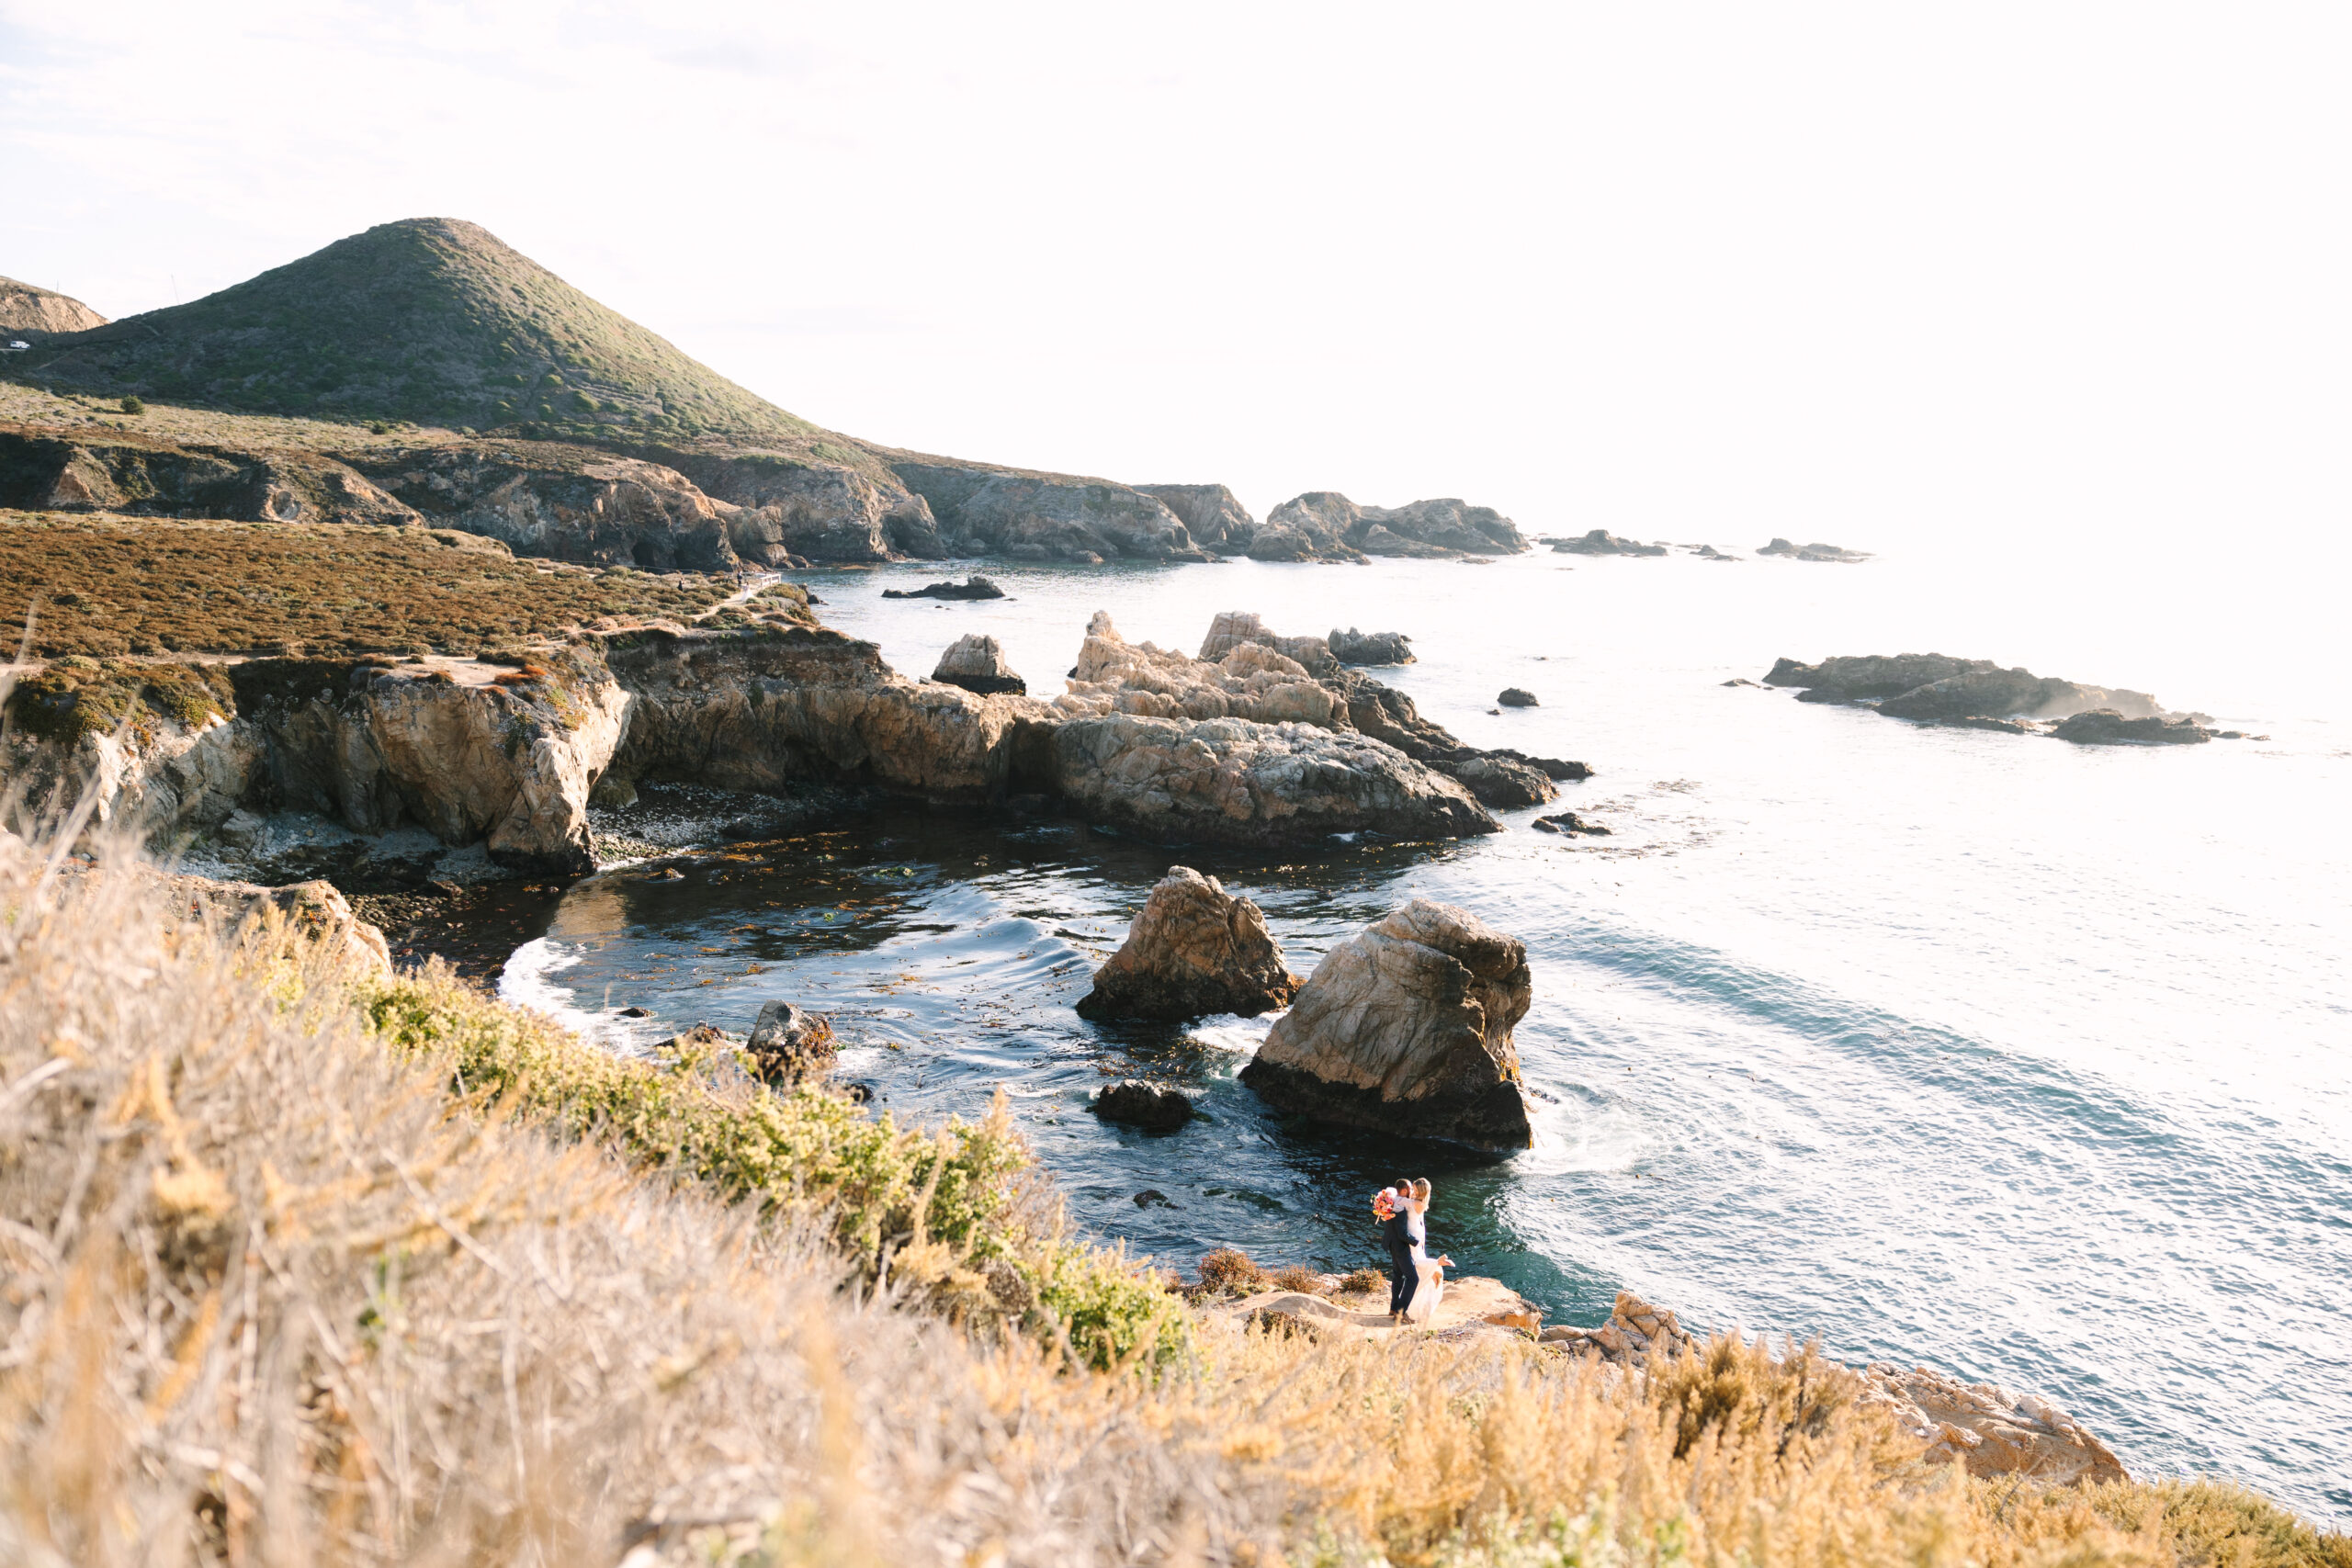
(275, 1296)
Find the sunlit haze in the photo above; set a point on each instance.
(2053, 286)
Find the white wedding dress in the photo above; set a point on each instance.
(1432, 1273)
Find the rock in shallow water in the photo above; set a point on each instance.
(1352, 646)
(1518, 697)
(1139, 1104)
(977, 664)
(973, 587)
(2105, 726)
(788, 1046)
(1406, 1028)
(1196, 950)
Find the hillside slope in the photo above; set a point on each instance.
(27, 308)
(430, 319)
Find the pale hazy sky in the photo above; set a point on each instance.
(2072, 276)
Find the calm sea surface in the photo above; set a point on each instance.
(2026, 1061)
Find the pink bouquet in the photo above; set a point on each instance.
(1384, 1206)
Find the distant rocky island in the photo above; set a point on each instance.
(1976, 693)
(1601, 542)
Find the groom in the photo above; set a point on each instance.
(1403, 1276)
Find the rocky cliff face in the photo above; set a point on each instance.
(27, 308)
(1406, 1028)
(564, 502)
(46, 472)
(473, 753)
(792, 508)
(1024, 516)
(1212, 514)
(1312, 526)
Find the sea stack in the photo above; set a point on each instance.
(1405, 1028)
(1196, 950)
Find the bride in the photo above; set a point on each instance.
(1432, 1270)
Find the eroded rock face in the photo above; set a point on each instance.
(1248, 679)
(1406, 1028)
(1194, 950)
(1323, 524)
(1352, 646)
(796, 510)
(1990, 1430)
(2105, 726)
(1636, 1332)
(29, 308)
(1028, 516)
(1233, 628)
(316, 909)
(1447, 524)
(1212, 514)
(977, 664)
(1228, 781)
(154, 478)
(1312, 526)
(788, 1046)
(564, 502)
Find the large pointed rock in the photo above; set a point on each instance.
(1405, 1028)
(1196, 950)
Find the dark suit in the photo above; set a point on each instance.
(1404, 1279)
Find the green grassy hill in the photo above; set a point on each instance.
(429, 319)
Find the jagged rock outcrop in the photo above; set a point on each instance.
(977, 664)
(755, 710)
(1249, 680)
(1212, 514)
(1228, 781)
(564, 502)
(1025, 516)
(2105, 726)
(1233, 628)
(1312, 526)
(47, 472)
(788, 1046)
(1140, 1104)
(973, 587)
(1990, 1430)
(470, 752)
(1875, 676)
(1601, 542)
(1636, 1332)
(2003, 693)
(796, 509)
(1323, 524)
(29, 308)
(1813, 552)
(1352, 646)
(1193, 951)
(1406, 1028)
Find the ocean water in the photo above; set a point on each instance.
(2026, 1061)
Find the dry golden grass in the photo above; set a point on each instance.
(103, 585)
(274, 1296)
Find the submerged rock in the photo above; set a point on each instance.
(1813, 552)
(1352, 646)
(1569, 822)
(788, 1046)
(1193, 951)
(973, 587)
(977, 664)
(1406, 1028)
(1990, 1430)
(1515, 697)
(1601, 542)
(1140, 1104)
(2103, 727)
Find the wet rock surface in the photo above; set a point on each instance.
(2103, 727)
(1569, 822)
(1406, 1028)
(1193, 951)
(1352, 646)
(972, 587)
(977, 664)
(1137, 1103)
(788, 1046)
